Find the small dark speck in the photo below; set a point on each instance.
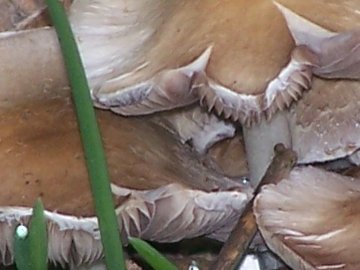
(25, 115)
(178, 30)
(27, 182)
(41, 194)
(37, 181)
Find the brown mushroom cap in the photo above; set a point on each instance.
(311, 219)
(323, 12)
(188, 28)
(40, 139)
(172, 54)
(175, 55)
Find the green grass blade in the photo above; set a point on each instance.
(156, 260)
(21, 250)
(91, 139)
(31, 251)
(38, 238)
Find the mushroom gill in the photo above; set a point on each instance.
(311, 219)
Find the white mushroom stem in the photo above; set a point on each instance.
(260, 140)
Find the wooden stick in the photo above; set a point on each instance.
(234, 250)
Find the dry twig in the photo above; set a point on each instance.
(234, 250)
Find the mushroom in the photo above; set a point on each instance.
(40, 46)
(163, 67)
(311, 219)
(305, 128)
(325, 123)
(163, 192)
(213, 65)
(151, 174)
(155, 64)
(134, 69)
(147, 76)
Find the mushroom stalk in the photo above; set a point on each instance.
(260, 141)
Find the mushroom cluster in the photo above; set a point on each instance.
(190, 74)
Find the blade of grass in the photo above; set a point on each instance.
(21, 250)
(38, 238)
(91, 139)
(156, 260)
(31, 251)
